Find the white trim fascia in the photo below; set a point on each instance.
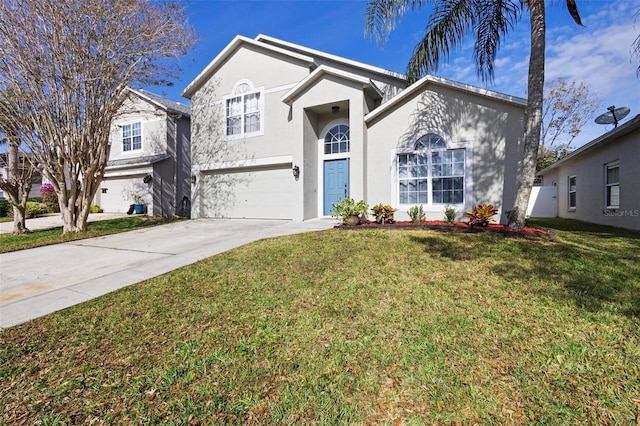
(228, 51)
(317, 74)
(418, 86)
(133, 172)
(238, 164)
(312, 52)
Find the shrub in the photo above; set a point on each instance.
(49, 197)
(416, 213)
(95, 208)
(450, 213)
(5, 208)
(35, 209)
(346, 207)
(481, 215)
(384, 213)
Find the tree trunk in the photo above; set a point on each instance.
(533, 115)
(20, 219)
(20, 189)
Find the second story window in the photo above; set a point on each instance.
(243, 110)
(132, 137)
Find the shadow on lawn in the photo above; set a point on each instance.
(597, 268)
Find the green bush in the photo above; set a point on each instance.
(417, 215)
(95, 208)
(35, 209)
(346, 207)
(384, 213)
(481, 215)
(450, 214)
(5, 208)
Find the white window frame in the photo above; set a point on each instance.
(609, 185)
(572, 191)
(449, 147)
(244, 94)
(122, 138)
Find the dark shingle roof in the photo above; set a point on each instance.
(166, 103)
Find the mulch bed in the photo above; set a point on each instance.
(456, 227)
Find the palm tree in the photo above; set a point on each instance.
(489, 21)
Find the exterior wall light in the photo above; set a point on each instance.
(193, 179)
(296, 172)
(147, 178)
(335, 109)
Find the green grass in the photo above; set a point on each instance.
(339, 327)
(44, 237)
(6, 219)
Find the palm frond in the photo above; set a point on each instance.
(494, 20)
(449, 22)
(382, 16)
(635, 51)
(573, 11)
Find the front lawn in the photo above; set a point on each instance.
(44, 237)
(339, 327)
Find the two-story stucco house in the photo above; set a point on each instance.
(149, 157)
(600, 181)
(283, 131)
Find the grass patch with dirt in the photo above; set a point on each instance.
(44, 237)
(372, 327)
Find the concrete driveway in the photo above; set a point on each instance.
(39, 281)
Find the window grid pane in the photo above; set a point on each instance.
(572, 192)
(613, 186)
(243, 113)
(337, 140)
(131, 137)
(431, 168)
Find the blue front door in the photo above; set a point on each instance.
(336, 182)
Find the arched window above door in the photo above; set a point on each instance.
(337, 140)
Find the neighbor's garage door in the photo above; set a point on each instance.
(118, 195)
(261, 193)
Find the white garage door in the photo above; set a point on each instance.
(117, 197)
(262, 193)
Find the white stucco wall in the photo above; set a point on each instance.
(490, 131)
(589, 169)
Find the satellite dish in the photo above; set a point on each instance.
(613, 116)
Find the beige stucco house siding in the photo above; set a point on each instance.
(165, 156)
(489, 131)
(589, 168)
(304, 94)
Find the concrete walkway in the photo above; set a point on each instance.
(39, 281)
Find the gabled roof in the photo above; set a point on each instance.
(609, 137)
(420, 85)
(227, 52)
(322, 71)
(161, 102)
(319, 54)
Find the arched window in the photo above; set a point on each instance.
(337, 140)
(243, 110)
(431, 173)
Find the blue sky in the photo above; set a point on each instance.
(598, 54)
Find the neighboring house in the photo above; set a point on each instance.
(600, 181)
(284, 131)
(37, 178)
(149, 157)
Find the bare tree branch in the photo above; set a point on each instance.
(64, 70)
